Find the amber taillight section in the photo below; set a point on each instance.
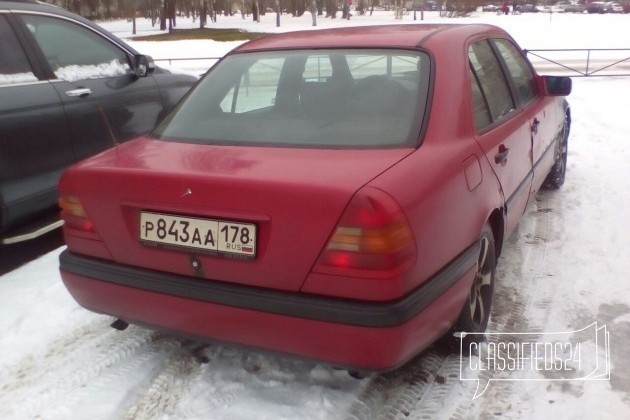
(74, 215)
(373, 234)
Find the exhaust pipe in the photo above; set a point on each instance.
(119, 325)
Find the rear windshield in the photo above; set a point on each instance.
(314, 98)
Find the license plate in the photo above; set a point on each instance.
(195, 233)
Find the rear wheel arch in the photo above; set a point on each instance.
(557, 173)
(497, 223)
(475, 313)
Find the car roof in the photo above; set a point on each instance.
(33, 5)
(36, 6)
(39, 7)
(385, 36)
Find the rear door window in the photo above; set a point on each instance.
(520, 73)
(491, 80)
(14, 66)
(480, 105)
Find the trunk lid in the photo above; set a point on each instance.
(293, 197)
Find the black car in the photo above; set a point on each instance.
(68, 90)
(489, 8)
(598, 7)
(528, 8)
(574, 8)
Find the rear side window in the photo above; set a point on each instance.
(308, 98)
(480, 105)
(75, 52)
(14, 66)
(491, 80)
(520, 73)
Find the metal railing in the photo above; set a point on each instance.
(198, 65)
(582, 62)
(586, 62)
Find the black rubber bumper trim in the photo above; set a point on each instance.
(313, 307)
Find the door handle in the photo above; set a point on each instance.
(80, 92)
(501, 157)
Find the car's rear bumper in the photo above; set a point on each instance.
(367, 335)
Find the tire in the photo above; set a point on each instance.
(476, 312)
(557, 173)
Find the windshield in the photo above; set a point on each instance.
(313, 98)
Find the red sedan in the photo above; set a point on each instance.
(341, 195)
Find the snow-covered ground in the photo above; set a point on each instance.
(565, 268)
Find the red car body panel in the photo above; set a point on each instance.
(378, 349)
(447, 188)
(228, 183)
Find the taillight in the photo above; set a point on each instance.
(373, 234)
(74, 215)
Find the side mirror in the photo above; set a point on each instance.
(557, 85)
(144, 65)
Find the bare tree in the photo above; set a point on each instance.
(331, 8)
(168, 15)
(345, 14)
(255, 11)
(313, 10)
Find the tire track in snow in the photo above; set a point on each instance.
(538, 307)
(50, 384)
(529, 290)
(447, 397)
(200, 379)
(28, 369)
(394, 395)
(120, 381)
(430, 387)
(168, 387)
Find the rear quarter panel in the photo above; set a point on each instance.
(446, 187)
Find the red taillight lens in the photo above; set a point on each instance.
(74, 215)
(372, 234)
